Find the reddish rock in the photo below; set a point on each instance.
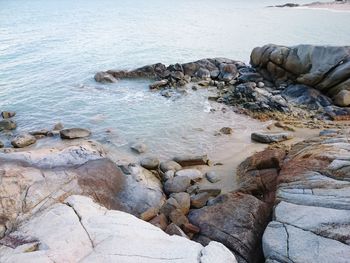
(189, 228)
(178, 218)
(238, 221)
(160, 221)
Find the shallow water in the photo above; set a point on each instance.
(50, 50)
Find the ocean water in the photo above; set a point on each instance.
(50, 50)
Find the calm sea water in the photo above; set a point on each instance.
(50, 50)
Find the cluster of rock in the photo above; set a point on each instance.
(303, 81)
(180, 183)
(26, 139)
(44, 217)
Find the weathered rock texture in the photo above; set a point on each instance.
(33, 180)
(325, 68)
(79, 230)
(311, 221)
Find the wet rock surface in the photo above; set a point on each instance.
(74, 133)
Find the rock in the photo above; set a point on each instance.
(189, 228)
(104, 77)
(38, 178)
(270, 137)
(236, 220)
(168, 175)
(203, 83)
(160, 221)
(226, 130)
(227, 72)
(159, 84)
(310, 98)
(193, 174)
(149, 214)
(192, 160)
(199, 200)
(342, 99)
(173, 229)
(58, 126)
(80, 230)
(311, 209)
(212, 177)
(8, 114)
(177, 184)
(170, 205)
(139, 147)
(216, 252)
(326, 68)
(23, 140)
(183, 200)
(42, 132)
(150, 163)
(7, 125)
(74, 133)
(170, 166)
(1, 144)
(178, 218)
(212, 191)
(329, 133)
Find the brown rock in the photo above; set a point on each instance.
(173, 229)
(184, 201)
(237, 220)
(8, 114)
(160, 221)
(74, 133)
(178, 218)
(169, 205)
(190, 228)
(192, 160)
(23, 140)
(149, 214)
(199, 200)
(226, 130)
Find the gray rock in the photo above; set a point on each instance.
(150, 163)
(270, 137)
(23, 140)
(170, 165)
(342, 99)
(104, 77)
(139, 147)
(286, 243)
(177, 184)
(7, 125)
(169, 205)
(74, 133)
(212, 177)
(158, 84)
(168, 175)
(193, 174)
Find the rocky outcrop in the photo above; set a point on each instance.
(79, 230)
(325, 68)
(312, 212)
(33, 180)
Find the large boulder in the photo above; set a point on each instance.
(312, 211)
(79, 230)
(326, 68)
(33, 180)
(235, 219)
